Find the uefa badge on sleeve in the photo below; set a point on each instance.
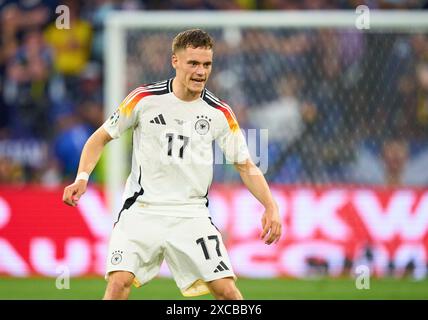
(114, 118)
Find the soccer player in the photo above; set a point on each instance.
(165, 209)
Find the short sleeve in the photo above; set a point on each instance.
(231, 139)
(125, 117)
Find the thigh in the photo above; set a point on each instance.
(136, 247)
(196, 254)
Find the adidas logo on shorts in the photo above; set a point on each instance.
(159, 120)
(221, 267)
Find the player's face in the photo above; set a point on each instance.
(193, 67)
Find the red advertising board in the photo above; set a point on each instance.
(333, 229)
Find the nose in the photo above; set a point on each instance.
(200, 71)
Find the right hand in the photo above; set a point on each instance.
(271, 224)
(73, 192)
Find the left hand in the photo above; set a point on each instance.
(271, 224)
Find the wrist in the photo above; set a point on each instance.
(270, 206)
(82, 176)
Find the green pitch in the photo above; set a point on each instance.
(161, 288)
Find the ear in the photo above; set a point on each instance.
(174, 61)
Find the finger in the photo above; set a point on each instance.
(273, 233)
(69, 202)
(77, 194)
(263, 226)
(279, 235)
(66, 197)
(76, 199)
(266, 228)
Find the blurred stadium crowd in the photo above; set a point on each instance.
(341, 106)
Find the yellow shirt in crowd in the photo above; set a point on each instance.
(71, 46)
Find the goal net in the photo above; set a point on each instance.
(336, 100)
(342, 106)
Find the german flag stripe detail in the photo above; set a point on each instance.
(135, 96)
(221, 103)
(228, 113)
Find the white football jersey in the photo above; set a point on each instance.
(172, 147)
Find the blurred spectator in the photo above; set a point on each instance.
(71, 46)
(422, 97)
(96, 12)
(29, 155)
(9, 32)
(9, 44)
(318, 4)
(326, 145)
(4, 112)
(393, 166)
(402, 78)
(189, 5)
(71, 136)
(90, 84)
(157, 64)
(400, 4)
(49, 175)
(91, 113)
(27, 15)
(208, 4)
(26, 87)
(271, 55)
(395, 155)
(282, 117)
(319, 92)
(280, 5)
(10, 171)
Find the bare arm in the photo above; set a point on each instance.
(91, 153)
(256, 183)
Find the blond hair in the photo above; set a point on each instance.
(195, 38)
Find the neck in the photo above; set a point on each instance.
(182, 92)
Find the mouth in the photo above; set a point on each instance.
(198, 80)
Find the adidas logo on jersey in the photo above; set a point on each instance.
(221, 267)
(159, 120)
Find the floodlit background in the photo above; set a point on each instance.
(347, 117)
